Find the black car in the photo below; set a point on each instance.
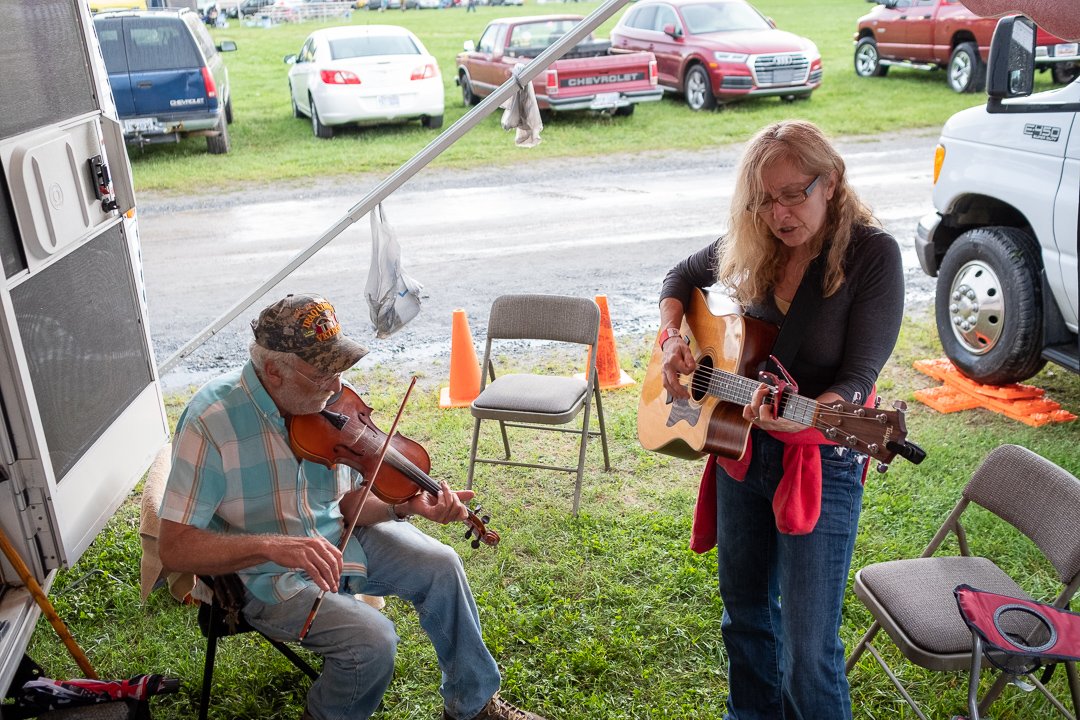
(247, 8)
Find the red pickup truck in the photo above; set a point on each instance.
(931, 34)
(585, 78)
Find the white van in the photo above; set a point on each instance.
(1002, 241)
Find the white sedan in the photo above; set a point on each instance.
(366, 75)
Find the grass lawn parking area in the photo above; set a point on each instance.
(269, 144)
(607, 616)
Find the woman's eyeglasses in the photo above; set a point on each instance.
(788, 199)
(324, 383)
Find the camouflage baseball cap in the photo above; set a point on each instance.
(307, 326)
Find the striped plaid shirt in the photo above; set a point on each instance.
(233, 472)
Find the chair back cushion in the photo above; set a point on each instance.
(1037, 497)
(544, 317)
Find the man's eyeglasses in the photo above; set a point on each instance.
(324, 383)
(788, 199)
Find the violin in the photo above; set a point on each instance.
(344, 433)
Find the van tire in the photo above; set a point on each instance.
(228, 111)
(966, 72)
(219, 144)
(867, 59)
(698, 89)
(992, 274)
(624, 111)
(321, 131)
(432, 122)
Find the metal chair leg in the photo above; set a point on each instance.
(208, 664)
(603, 429)
(472, 453)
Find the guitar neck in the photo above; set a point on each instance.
(740, 390)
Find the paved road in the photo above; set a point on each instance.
(608, 226)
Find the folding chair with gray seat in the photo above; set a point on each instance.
(913, 599)
(538, 401)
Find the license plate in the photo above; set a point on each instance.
(1066, 50)
(389, 101)
(141, 125)
(605, 101)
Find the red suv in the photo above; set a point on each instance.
(719, 50)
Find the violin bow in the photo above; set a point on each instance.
(364, 492)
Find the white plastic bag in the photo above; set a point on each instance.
(521, 112)
(393, 297)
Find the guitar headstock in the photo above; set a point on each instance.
(878, 433)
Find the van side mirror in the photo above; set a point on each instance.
(672, 32)
(1011, 68)
(289, 59)
(226, 46)
(469, 46)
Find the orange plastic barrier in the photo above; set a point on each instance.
(464, 367)
(608, 373)
(1025, 403)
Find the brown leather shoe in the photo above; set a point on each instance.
(499, 709)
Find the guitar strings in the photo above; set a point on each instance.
(701, 381)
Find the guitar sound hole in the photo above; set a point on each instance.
(699, 385)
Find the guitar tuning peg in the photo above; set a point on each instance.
(877, 402)
(486, 519)
(477, 508)
(882, 467)
(899, 405)
(475, 544)
(468, 533)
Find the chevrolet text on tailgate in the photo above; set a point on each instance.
(586, 78)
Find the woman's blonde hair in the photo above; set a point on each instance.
(751, 258)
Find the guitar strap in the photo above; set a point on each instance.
(804, 306)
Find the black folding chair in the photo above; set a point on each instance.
(223, 617)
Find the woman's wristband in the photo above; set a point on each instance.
(666, 334)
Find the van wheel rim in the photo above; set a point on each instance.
(977, 308)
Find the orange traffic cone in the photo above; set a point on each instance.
(464, 367)
(609, 374)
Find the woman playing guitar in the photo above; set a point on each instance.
(793, 215)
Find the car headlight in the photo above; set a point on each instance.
(730, 57)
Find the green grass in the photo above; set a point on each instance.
(269, 145)
(601, 617)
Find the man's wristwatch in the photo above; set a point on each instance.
(666, 334)
(392, 513)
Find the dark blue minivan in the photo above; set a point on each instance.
(167, 76)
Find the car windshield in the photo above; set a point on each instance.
(541, 34)
(722, 17)
(355, 47)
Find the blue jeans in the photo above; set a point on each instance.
(783, 593)
(358, 643)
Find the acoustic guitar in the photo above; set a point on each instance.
(730, 349)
